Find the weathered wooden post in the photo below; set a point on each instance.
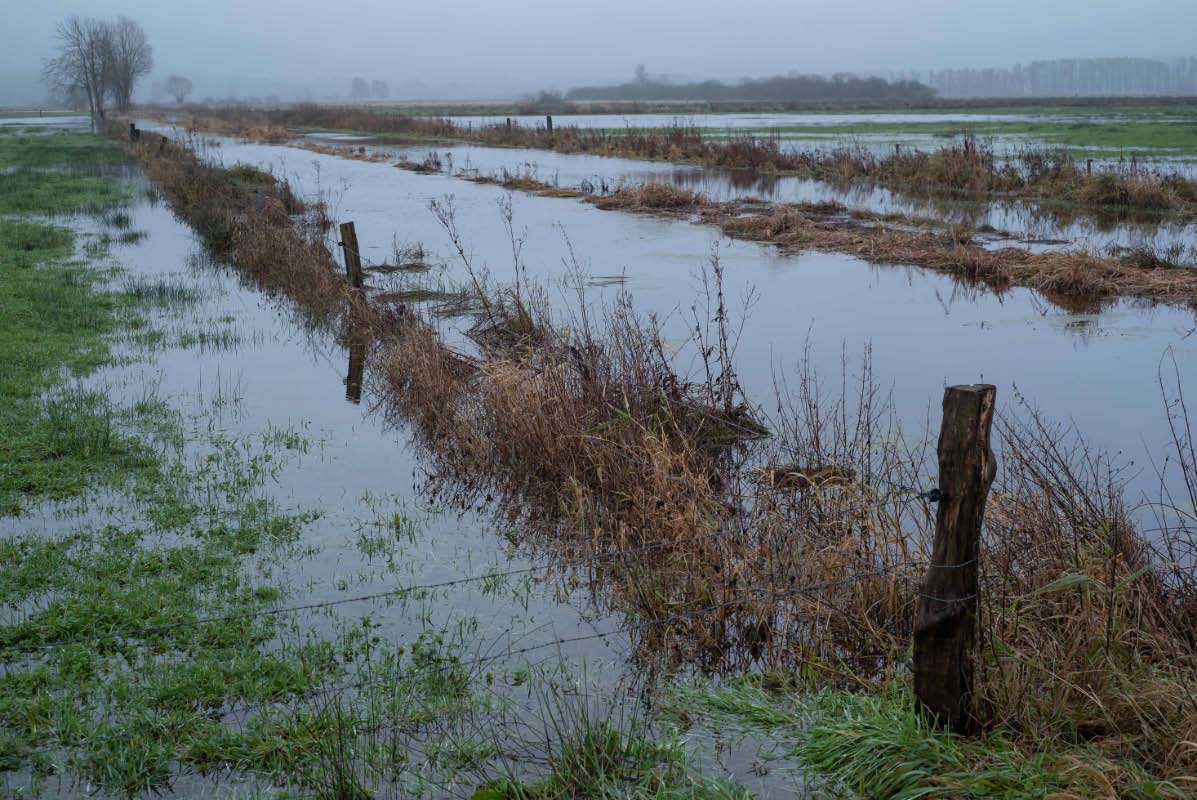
(353, 257)
(945, 615)
(1088, 166)
(509, 123)
(548, 124)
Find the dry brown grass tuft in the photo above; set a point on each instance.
(653, 198)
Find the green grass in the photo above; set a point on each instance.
(132, 630)
(59, 150)
(55, 327)
(601, 759)
(878, 746)
(28, 192)
(881, 747)
(60, 174)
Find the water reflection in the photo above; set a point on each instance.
(357, 365)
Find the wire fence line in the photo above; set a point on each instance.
(403, 591)
(450, 664)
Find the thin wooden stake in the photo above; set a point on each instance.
(945, 616)
(353, 257)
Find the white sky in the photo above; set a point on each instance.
(562, 42)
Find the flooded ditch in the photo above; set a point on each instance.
(246, 371)
(1098, 370)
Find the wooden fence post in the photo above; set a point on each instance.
(353, 257)
(548, 123)
(945, 616)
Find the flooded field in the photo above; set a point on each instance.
(1162, 135)
(1026, 224)
(384, 576)
(826, 305)
(378, 554)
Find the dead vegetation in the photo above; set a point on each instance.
(799, 552)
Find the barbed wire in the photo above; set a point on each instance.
(821, 519)
(453, 664)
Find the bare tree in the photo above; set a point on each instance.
(178, 87)
(83, 64)
(132, 59)
(360, 90)
(379, 90)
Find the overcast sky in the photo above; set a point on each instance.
(559, 42)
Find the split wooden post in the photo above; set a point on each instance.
(945, 616)
(353, 257)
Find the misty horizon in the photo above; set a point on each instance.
(308, 50)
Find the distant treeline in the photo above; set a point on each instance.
(1097, 77)
(780, 89)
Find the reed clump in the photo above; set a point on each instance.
(653, 198)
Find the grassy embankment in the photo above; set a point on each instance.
(966, 169)
(591, 440)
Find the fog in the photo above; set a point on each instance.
(464, 48)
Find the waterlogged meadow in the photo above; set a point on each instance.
(218, 575)
(267, 536)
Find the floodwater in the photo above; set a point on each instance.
(751, 120)
(274, 372)
(781, 125)
(1098, 370)
(1021, 224)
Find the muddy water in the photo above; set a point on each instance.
(1098, 370)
